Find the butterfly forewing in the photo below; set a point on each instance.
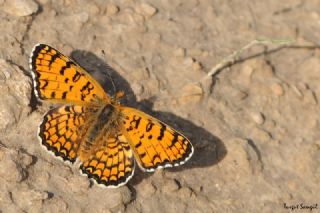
(58, 79)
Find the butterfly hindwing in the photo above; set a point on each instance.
(62, 129)
(154, 143)
(57, 78)
(112, 164)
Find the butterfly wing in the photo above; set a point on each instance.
(62, 129)
(58, 79)
(112, 164)
(154, 143)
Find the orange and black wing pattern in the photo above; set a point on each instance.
(63, 129)
(105, 137)
(155, 144)
(58, 79)
(112, 164)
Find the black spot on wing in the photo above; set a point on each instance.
(135, 121)
(149, 126)
(162, 130)
(68, 65)
(54, 57)
(53, 94)
(138, 144)
(76, 76)
(45, 84)
(64, 95)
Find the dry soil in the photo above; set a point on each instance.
(254, 125)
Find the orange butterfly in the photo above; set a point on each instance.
(94, 128)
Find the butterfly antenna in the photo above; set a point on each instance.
(109, 69)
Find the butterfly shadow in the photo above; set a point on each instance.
(208, 149)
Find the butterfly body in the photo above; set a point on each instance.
(106, 137)
(104, 120)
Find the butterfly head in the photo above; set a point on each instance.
(120, 94)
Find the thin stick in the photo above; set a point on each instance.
(234, 56)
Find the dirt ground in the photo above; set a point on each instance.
(254, 125)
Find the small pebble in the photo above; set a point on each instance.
(191, 93)
(147, 10)
(269, 124)
(83, 17)
(188, 61)
(112, 9)
(20, 7)
(196, 66)
(277, 89)
(261, 135)
(179, 52)
(185, 192)
(94, 9)
(6, 73)
(257, 117)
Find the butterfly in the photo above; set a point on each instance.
(90, 127)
